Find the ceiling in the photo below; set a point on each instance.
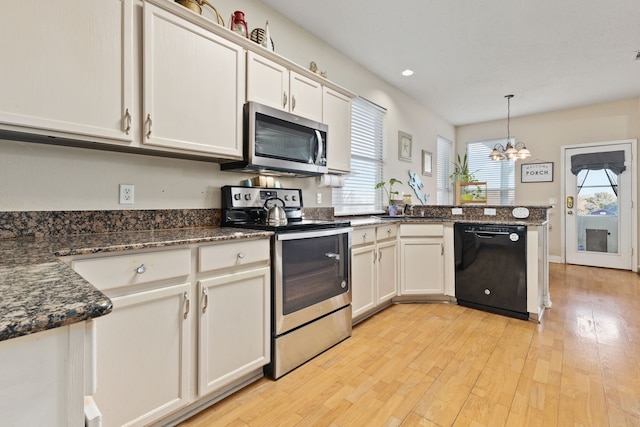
(468, 54)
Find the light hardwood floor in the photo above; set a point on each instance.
(445, 365)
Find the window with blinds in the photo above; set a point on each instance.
(499, 176)
(358, 194)
(444, 189)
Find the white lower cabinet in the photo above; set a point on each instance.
(42, 378)
(187, 322)
(422, 259)
(143, 356)
(234, 327)
(374, 261)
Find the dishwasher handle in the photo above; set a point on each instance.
(487, 234)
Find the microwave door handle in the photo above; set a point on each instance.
(320, 147)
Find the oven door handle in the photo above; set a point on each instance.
(296, 235)
(333, 255)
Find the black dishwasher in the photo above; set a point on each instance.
(491, 268)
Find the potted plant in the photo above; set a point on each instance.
(392, 208)
(461, 177)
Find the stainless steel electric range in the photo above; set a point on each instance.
(310, 274)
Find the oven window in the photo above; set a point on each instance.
(314, 270)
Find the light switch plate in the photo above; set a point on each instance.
(490, 211)
(456, 211)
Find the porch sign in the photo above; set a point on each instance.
(537, 172)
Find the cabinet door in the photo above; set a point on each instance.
(66, 67)
(306, 97)
(267, 82)
(234, 327)
(363, 279)
(193, 87)
(387, 270)
(421, 271)
(143, 356)
(336, 113)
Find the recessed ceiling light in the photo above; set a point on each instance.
(407, 72)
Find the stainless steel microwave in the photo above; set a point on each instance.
(278, 142)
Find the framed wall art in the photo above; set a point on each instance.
(536, 172)
(426, 163)
(404, 146)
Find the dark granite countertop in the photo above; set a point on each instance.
(39, 292)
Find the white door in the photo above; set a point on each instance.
(598, 200)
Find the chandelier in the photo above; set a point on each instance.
(511, 151)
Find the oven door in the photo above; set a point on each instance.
(312, 276)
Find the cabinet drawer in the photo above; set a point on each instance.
(363, 236)
(385, 232)
(225, 255)
(421, 230)
(124, 270)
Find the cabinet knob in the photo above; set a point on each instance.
(240, 255)
(141, 269)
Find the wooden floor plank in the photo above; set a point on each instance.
(443, 365)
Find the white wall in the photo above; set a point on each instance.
(43, 177)
(545, 133)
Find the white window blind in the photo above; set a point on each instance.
(499, 176)
(367, 129)
(444, 189)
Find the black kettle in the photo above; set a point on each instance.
(275, 214)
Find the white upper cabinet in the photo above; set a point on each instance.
(273, 84)
(65, 68)
(193, 87)
(336, 113)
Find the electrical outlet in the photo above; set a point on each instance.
(318, 198)
(126, 194)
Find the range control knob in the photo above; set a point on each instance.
(236, 196)
(247, 196)
(294, 198)
(286, 198)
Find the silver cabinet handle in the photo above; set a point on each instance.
(127, 121)
(150, 123)
(441, 248)
(293, 102)
(205, 300)
(187, 304)
(284, 100)
(379, 255)
(375, 257)
(241, 255)
(141, 269)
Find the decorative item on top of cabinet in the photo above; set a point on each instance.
(263, 37)
(314, 69)
(237, 24)
(196, 6)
